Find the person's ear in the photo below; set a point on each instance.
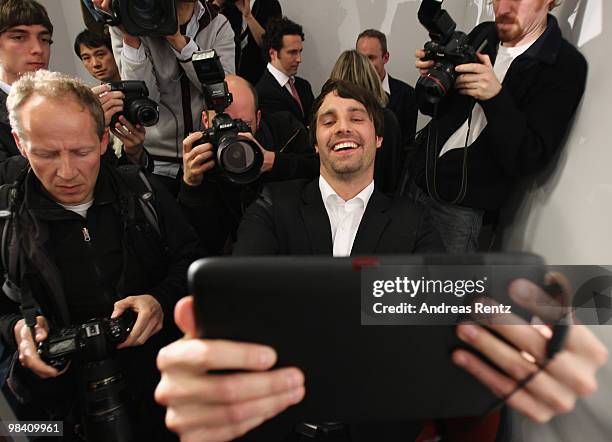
(385, 58)
(379, 141)
(205, 121)
(20, 144)
(258, 119)
(104, 141)
(273, 54)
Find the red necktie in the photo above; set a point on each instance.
(295, 94)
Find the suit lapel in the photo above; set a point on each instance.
(316, 220)
(373, 224)
(285, 93)
(3, 111)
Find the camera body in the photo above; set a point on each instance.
(151, 18)
(106, 415)
(138, 108)
(448, 48)
(238, 158)
(93, 340)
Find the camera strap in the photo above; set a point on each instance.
(432, 157)
(15, 287)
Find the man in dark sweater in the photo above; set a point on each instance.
(84, 248)
(512, 111)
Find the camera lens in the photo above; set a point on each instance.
(237, 157)
(148, 116)
(141, 111)
(146, 13)
(433, 87)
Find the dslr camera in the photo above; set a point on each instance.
(238, 159)
(138, 108)
(93, 344)
(448, 48)
(152, 18)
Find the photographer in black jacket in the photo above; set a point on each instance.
(86, 246)
(215, 207)
(511, 110)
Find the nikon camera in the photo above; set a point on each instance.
(238, 158)
(138, 108)
(92, 345)
(448, 48)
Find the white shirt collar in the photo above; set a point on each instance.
(327, 191)
(5, 87)
(385, 84)
(280, 76)
(193, 24)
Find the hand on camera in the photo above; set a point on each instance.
(130, 40)
(196, 160)
(28, 352)
(478, 80)
(220, 407)
(422, 65)
(132, 137)
(111, 101)
(268, 155)
(149, 321)
(552, 391)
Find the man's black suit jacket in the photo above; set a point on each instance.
(403, 104)
(274, 98)
(289, 218)
(8, 148)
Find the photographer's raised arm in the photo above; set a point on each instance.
(135, 63)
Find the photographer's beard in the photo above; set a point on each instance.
(508, 29)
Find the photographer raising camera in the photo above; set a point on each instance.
(155, 43)
(501, 99)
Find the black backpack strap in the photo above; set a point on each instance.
(8, 241)
(10, 254)
(143, 194)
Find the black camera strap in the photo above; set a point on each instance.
(432, 157)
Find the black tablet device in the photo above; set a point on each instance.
(310, 310)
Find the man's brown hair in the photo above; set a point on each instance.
(374, 33)
(23, 12)
(346, 89)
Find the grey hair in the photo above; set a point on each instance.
(54, 85)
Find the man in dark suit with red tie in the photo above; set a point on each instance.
(280, 89)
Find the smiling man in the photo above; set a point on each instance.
(342, 213)
(25, 46)
(342, 208)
